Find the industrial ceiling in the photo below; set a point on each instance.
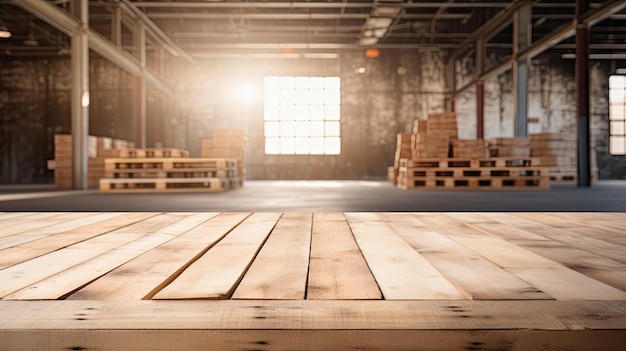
(199, 29)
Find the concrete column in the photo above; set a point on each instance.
(140, 86)
(80, 97)
(521, 40)
(582, 106)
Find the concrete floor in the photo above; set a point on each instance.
(319, 196)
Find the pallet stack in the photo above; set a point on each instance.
(559, 151)
(169, 170)
(476, 148)
(509, 147)
(98, 149)
(228, 143)
(473, 173)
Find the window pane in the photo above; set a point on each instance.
(271, 96)
(287, 82)
(317, 146)
(287, 128)
(617, 128)
(302, 129)
(332, 129)
(302, 146)
(272, 112)
(302, 112)
(287, 96)
(617, 145)
(317, 129)
(272, 129)
(316, 83)
(317, 112)
(302, 83)
(332, 83)
(616, 96)
(617, 112)
(332, 112)
(333, 146)
(617, 82)
(287, 145)
(271, 83)
(316, 96)
(302, 96)
(287, 112)
(272, 146)
(331, 97)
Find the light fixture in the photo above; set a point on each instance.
(31, 40)
(4, 31)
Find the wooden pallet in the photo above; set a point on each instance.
(135, 185)
(462, 172)
(470, 162)
(175, 164)
(178, 173)
(152, 153)
(481, 183)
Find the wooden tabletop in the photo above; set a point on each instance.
(312, 280)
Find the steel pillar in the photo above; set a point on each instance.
(480, 88)
(582, 106)
(80, 97)
(140, 86)
(521, 40)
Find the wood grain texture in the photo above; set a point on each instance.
(44, 223)
(99, 225)
(24, 274)
(476, 275)
(145, 275)
(216, 274)
(546, 275)
(337, 268)
(280, 269)
(400, 271)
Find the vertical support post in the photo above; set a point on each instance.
(480, 88)
(80, 97)
(582, 106)
(140, 86)
(116, 25)
(521, 40)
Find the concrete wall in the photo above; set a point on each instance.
(35, 105)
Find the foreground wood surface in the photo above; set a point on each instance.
(312, 281)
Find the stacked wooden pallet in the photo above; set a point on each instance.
(509, 147)
(99, 148)
(231, 144)
(473, 173)
(559, 151)
(145, 174)
(476, 148)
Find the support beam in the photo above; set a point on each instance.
(140, 87)
(80, 97)
(521, 40)
(480, 88)
(582, 106)
(70, 26)
(116, 25)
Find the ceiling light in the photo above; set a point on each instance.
(31, 40)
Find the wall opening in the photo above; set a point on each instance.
(302, 115)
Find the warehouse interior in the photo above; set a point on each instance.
(312, 175)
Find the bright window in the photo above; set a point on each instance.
(302, 116)
(617, 115)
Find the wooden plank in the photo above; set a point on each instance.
(546, 275)
(474, 274)
(63, 223)
(597, 267)
(216, 274)
(401, 272)
(337, 268)
(101, 224)
(72, 279)
(38, 220)
(280, 269)
(142, 277)
(10, 215)
(572, 237)
(315, 315)
(24, 274)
